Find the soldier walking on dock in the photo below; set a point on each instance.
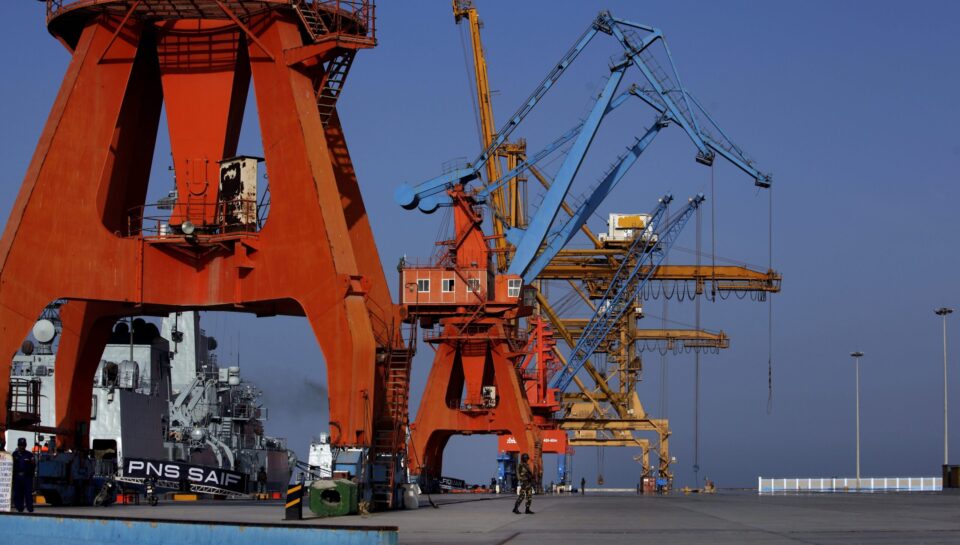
(525, 476)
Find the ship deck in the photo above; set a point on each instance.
(725, 518)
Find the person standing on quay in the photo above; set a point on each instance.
(23, 470)
(525, 476)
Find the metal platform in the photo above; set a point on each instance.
(724, 518)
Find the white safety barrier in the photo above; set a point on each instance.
(835, 484)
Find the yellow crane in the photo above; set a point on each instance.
(507, 209)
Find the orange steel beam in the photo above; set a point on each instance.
(236, 20)
(315, 256)
(122, 24)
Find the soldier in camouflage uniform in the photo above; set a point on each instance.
(525, 476)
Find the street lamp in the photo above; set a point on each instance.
(856, 356)
(943, 312)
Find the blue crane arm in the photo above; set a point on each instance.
(425, 195)
(721, 145)
(642, 260)
(724, 146)
(532, 160)
(529, 242)
(559, 238)
(673, 101)
(666, 94)
(602, 22)
(550, 148)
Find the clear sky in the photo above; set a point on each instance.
(850, 105)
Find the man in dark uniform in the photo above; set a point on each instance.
(262, 481)
(525, 476)
(23, 469)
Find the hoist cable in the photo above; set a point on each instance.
(664, 367)
(713, 235)
(770, 305)
(696, 379)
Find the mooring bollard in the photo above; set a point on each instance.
(294, 504)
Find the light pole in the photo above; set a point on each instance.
(856, 356)
(943, 312)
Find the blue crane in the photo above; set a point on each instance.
(659, 87)
(641, 261)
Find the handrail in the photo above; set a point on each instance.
(347, 16)
(156, 224)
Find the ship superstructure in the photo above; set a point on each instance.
(158, 393)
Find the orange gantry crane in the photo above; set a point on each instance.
(80, 229)
(470, 313)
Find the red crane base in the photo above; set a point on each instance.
(471, 355)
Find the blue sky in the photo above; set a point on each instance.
(850, 105)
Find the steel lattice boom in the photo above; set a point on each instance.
(646, 250)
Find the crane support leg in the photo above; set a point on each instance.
(85, 330)
(453, 401)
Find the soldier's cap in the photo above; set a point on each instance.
(21, 442)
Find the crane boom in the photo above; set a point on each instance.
(600, 23)
(529, 242)
(662, 89)
(560, 237)
(644, 256)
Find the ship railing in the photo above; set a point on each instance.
(24, 399)
(104, 467)
(246, 411)
(279, 443)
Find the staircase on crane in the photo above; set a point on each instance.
(331, 84)
(390, 427)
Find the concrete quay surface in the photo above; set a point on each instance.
(725, 518)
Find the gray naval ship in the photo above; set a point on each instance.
(159, 394)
